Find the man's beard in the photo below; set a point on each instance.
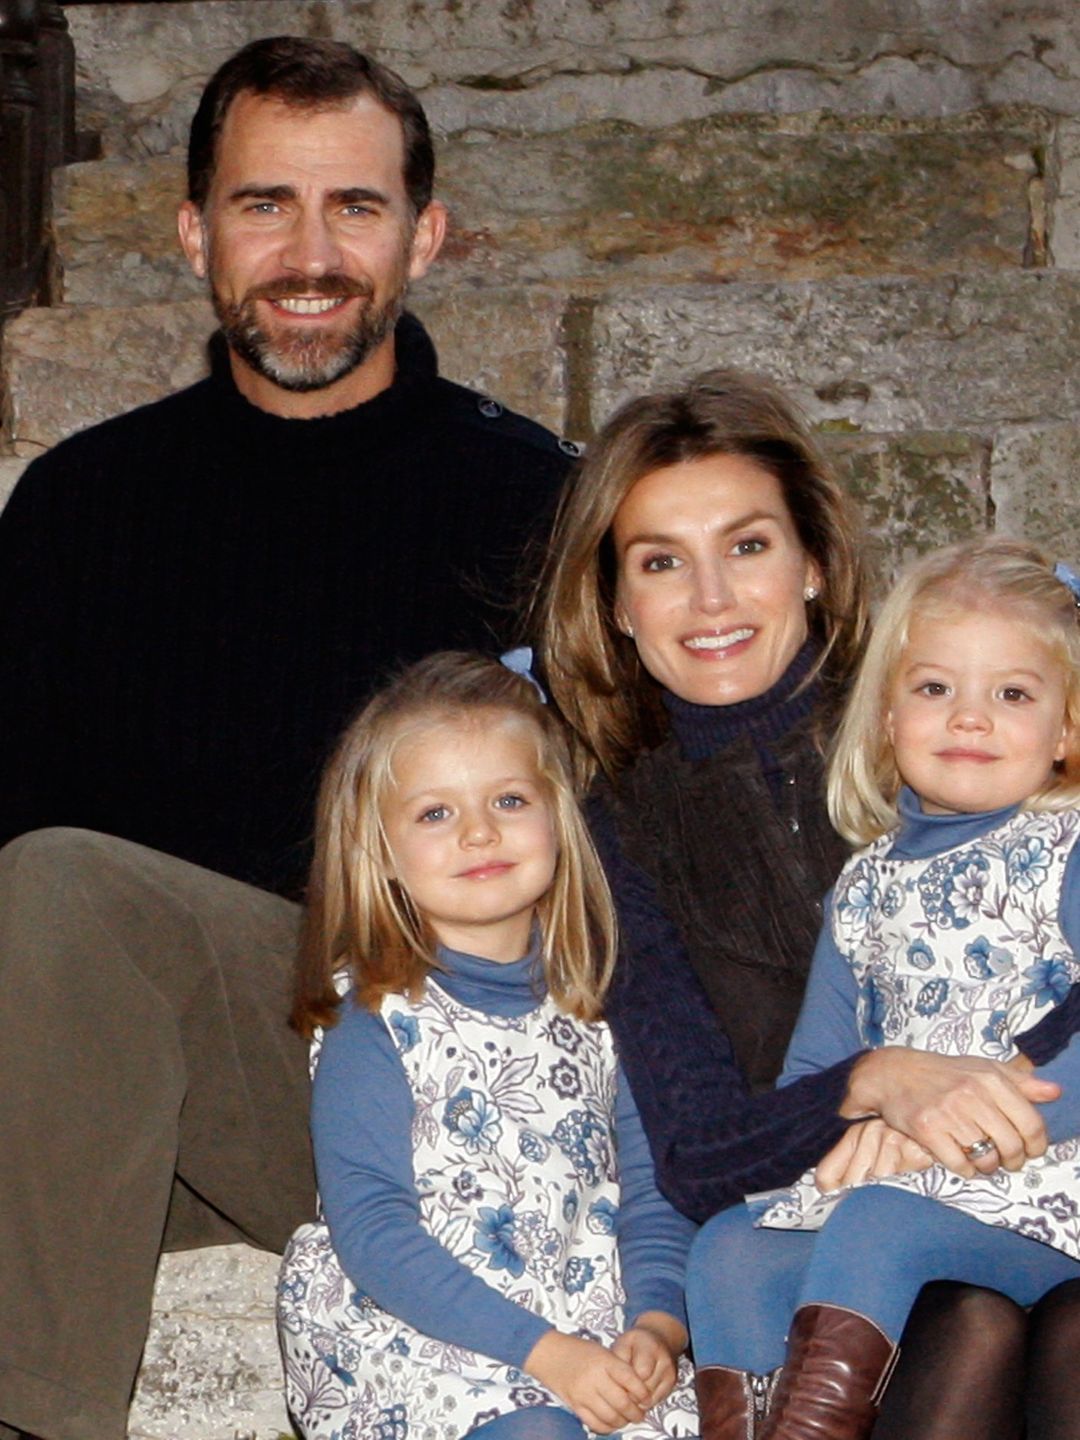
(308, 359)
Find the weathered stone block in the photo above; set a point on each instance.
(721, 199)
(211, 1369)
(506, 343)
(67, 368)
(1035, 486)
(915, 492)
(967, 353)
(10, 470)
(607, 204)
(537, 65)
(1065, 215)
(114, 223)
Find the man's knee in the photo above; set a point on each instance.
(60, 851)
(57, 878)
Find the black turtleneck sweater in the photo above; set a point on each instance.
(718, 889)
(194, 598)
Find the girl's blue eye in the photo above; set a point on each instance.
(437, 812)
(511, 802)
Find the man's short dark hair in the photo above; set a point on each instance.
(310, 74)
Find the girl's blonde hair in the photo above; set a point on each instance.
(985, 574)
(359, 918)
(594, 672)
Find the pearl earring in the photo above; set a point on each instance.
(629, 632)
(810, 593)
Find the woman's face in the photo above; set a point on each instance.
(712, 578)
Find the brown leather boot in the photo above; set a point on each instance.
(731, 1403)
(838, 1364)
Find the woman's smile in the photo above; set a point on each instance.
(720, 643)
(712, 578)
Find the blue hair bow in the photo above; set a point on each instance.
(1070, 578)
(520, 662)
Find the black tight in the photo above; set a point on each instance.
(1053, 1395)
(961, 1370)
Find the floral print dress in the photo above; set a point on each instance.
(956, 954)
(515, 1165)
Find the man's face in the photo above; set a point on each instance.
(309, 245)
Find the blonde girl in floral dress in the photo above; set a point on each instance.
(957, 767)
(494, 1257)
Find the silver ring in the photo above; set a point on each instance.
(978, 1149)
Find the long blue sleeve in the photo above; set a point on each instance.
(826, 1030)
(654, 1239)
(1062, 1116)
(361, 1122)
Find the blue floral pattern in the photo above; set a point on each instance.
(405, 1030)
(924, 983)
(493, 1234)
(517, 1176)
(473, 1121)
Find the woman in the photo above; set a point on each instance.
(704, 609)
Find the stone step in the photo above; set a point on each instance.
(715, 199)
(957, 353)
(947, 402)
(71, 366)
(963, 352)
(542, 67)
(951, 402)
(211, 1368)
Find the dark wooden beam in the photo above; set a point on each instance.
(37, 132)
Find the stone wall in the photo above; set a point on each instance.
(880, 205)
(877, 201)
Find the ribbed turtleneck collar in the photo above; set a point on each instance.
(245, 424)
(490, 985)
(921, 834)
(701, 730)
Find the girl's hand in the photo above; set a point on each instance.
(945, 1102)
(652, 1345)
(602, 1388)
(870, 1148)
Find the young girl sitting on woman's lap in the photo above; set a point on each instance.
(496, 1259)
(959, 762)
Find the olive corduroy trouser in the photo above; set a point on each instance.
(151, 1096)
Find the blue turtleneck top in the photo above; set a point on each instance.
(361, 1124)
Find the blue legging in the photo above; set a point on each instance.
(874, 1254)
(539, 1422)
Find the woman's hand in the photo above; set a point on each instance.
(870, 1148)
(603, 1389)
(947, 1102)
(652, 1346)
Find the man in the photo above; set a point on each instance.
(193, 598)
